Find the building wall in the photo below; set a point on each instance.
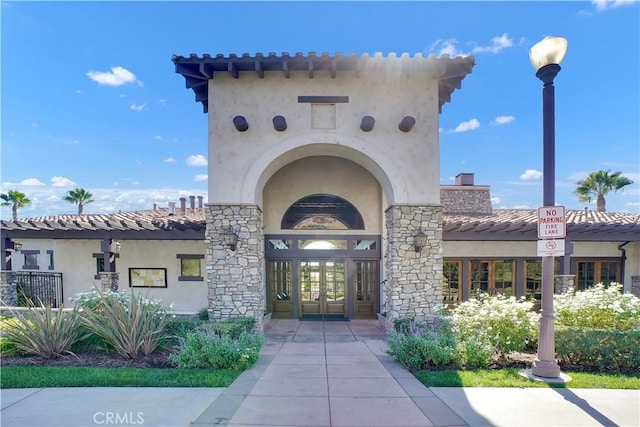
(405, 164)
(73, 258)
(323, 175)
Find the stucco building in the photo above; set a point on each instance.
(324, 202)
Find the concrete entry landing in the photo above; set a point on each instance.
(279, 330)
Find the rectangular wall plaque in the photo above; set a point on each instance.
(324, 99)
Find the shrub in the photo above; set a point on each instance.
(42, 331)
(416, 346)
(179, 327)
(234, 326)
(205, 348)
(131, 326)
(598, 349)
(506, 323)
(203, 314)
(599, 307)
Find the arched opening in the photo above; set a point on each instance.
(322, 212)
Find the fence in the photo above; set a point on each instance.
(35, 288)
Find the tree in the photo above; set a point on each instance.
(599, 184)
(80, 197)
(16, 200)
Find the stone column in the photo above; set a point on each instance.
(414, 279)
(564, 283)
(235, 278)
(109, 281)
(8, 289)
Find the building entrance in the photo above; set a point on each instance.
(322, 289)
(309, 279)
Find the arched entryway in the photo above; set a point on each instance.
(323, 240)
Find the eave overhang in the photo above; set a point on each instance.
(198, 70)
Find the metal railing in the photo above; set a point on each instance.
(36, 288)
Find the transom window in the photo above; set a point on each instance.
(322, 212)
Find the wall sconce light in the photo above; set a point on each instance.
(17, 246)
(279, 123)
(115, 247)
(407, 124)
(367, 124)
(419, 240)
(240, 123)
(230, 238)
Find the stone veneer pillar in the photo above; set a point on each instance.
(8, 289)
(109, 281)
(635, 286)
(235, 278)
(564, 283)
(414, 279)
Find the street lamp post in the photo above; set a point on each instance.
(545, 57)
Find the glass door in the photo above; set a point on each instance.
(322, 288)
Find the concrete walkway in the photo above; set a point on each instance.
(321, 374)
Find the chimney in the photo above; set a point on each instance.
(172, 208)
(192, 202)
(200, 202)
(183, 204)
(155, 207)
(464, 179)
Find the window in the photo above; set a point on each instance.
(451, 292)
(190, 267)
(50, 254)
(589, 273)
(30, 259)
(322, 212)
(493, 277)
(100, 263)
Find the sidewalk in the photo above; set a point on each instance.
(321, 374)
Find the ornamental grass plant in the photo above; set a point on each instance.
(131, 326)
(42, 331)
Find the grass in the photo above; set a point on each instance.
(512, 378)
(62, 376)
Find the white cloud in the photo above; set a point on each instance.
(61, 181)
(201, 177)
(531, 174)
(35, 125)
(157, 138)
(136, 107)
(29, 182)
(503, 120)
(602, 5)
(467, 126)
(497, 44)
(495, 200)
(446, 47)
(118, 76)
(196, 160)
(162, 102)
(169, 160)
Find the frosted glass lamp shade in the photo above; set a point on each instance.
(549, 50)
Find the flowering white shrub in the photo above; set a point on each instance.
(95, 298)
(599, 307)
(506, 323)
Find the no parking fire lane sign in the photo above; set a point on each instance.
(552, 230)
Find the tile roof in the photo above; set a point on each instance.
(502, 224)
(151, 223)
(198, 70)
(520, 224)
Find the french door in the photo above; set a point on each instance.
(322, 288)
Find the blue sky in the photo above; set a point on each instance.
(90, 97)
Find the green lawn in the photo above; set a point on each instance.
(512, 378)
(36, 377)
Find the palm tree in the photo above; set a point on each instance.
(599, 184)
(79, 197)
(16, 200)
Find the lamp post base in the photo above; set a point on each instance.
(545, 368)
